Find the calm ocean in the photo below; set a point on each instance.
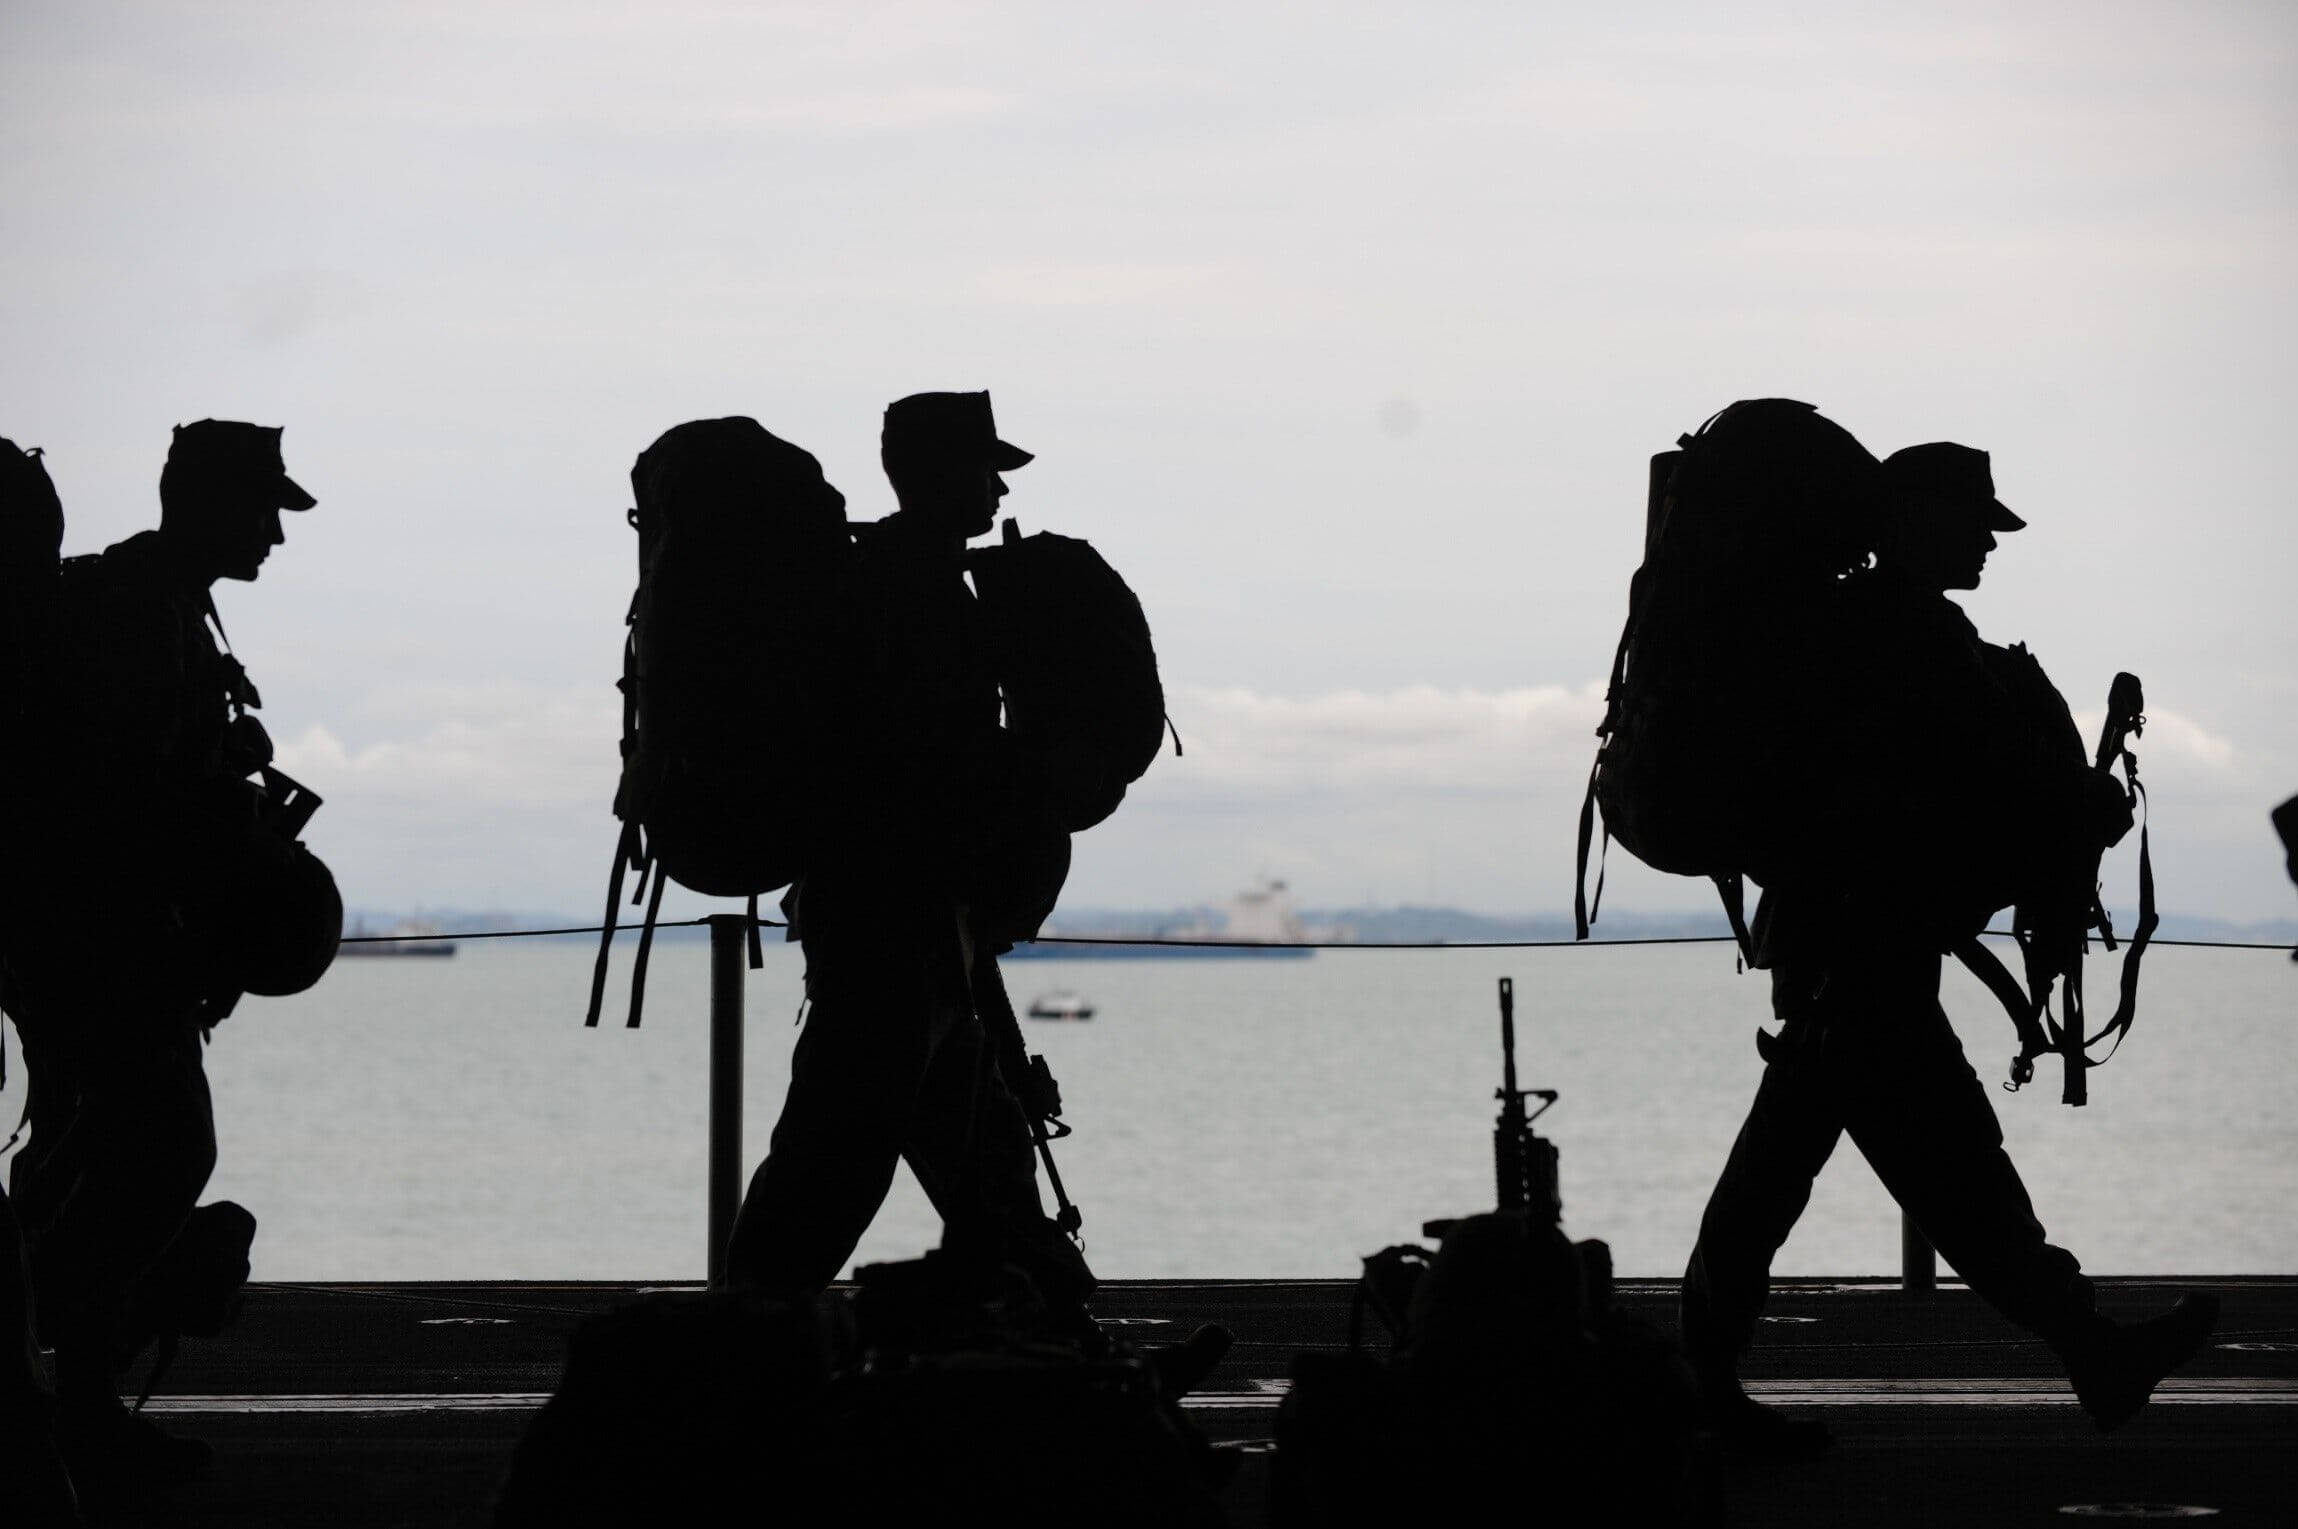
(433, 1119)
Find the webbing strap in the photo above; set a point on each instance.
(1733, 890)
(2126, 1005)
(624, 852)
(2076, 1085)
(1997, 979)
(1583, 911)
(645, 948)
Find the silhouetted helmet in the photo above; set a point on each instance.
(284, 923)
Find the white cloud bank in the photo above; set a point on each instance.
(499, 796)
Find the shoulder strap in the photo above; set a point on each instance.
(2025, 1012)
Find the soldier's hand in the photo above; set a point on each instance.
(2110, 807)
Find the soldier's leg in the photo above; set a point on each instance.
(133, 1144)
(34, 1487)
(854, 1081)
(1922, 1118)
(974, 1156)
(1790, 1131)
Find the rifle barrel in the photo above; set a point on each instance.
(1508, 1040)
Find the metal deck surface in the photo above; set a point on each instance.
(398, 1404)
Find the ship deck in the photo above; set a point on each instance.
(398, 1404)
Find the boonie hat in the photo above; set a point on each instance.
(228, 453)
(1963, 474)
(949, 425)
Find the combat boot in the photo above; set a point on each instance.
(2115, 1369)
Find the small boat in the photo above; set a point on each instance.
(1061, 1003)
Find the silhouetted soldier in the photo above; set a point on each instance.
(893, 1063)
(116, 983)
(2286, 825)
(1865, 1047)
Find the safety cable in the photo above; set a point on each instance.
(1205, 944)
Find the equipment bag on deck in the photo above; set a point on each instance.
(730, 671)
(1711, 763)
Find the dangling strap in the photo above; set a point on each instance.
(1733, 890)
(1029, 1079)
(757, 949)
(1982, 964)
(1584, 910)
(2076, 1090)
(645, 945)
(625, 851)
(2126, 1006)
(1176, 732)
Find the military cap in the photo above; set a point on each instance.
(228, 453)
(1958, 474)
(955, 426)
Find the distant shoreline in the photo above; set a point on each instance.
(1371, 926)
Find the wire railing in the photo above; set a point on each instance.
(729, 949)
(1193, 942)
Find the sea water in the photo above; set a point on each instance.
(453, 1119)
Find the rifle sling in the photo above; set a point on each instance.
(1983, 964)
(2126, 1005)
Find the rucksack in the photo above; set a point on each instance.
(1510, 1362)
(730, 669)
(1076, 666)
(31, 534)
(1714, 754)
(684, 1407)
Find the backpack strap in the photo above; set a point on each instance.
(2025, 1013)
(1584, 907)
(626, 852)
(645, 938)
(1733, 890)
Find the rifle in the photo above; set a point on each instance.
(1523, 1161)
(1030, 1078)
(2053, 950)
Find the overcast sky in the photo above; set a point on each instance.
(1343, 330)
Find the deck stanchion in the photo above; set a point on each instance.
(729, 940)
(1918, 1261)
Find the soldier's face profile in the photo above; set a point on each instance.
(244, 532)
(1942, 545)
(994, 493)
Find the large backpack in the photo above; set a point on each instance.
(1736, 649)
(730, 669)
(1076, 667)
(31, 533)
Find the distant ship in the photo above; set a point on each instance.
(1258, 924)
(408, 939)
